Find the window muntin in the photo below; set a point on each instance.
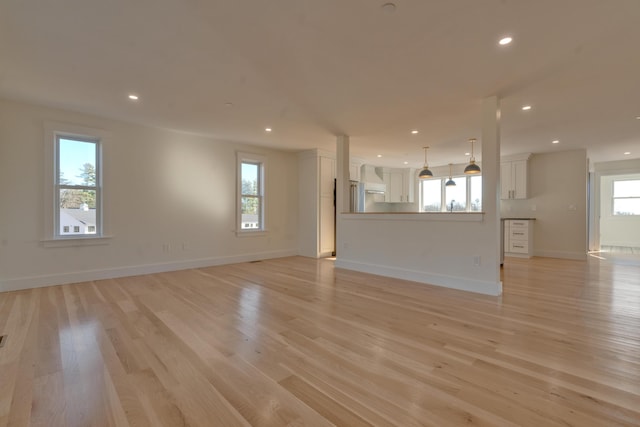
(251, 205)
(626, 197)
(466, 194)
(77, 197)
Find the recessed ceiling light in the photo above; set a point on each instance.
(526, 107)
(637, 117)
(388, 7)
(133, 97)
(406, 163)
(505, 41)
(626, 153)
(467, 154)
(379, 155)
(414, 131)
(228, 104)
(267, 129)
(555, 141)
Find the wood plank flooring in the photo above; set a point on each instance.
(295, 342)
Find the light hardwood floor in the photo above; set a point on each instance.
(292, 342)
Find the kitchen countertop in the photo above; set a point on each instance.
(517, 218)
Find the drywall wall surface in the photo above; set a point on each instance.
(558, 201)
(170, 202)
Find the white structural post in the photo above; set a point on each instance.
(342, 185)
(342, 174)
(491, 173)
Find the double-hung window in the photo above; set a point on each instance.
(77, 189)
(251, 200)
(626, 197)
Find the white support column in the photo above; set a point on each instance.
(342, 174)
(491, 173)
(342, 187)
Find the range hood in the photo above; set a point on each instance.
(371, 176)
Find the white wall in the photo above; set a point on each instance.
(444, 249)
(161, 188)
(558, 201)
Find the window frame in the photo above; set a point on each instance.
(261, 162)
(58, 186)
(614, 198)
(443, 194)
(52, 237)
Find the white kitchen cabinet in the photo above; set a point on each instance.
(518, 238)
(400, 185)
(354, 171)
(513, 177)
(317, 171)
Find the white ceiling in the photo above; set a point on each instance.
(314, 69)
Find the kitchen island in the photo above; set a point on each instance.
(458, 250)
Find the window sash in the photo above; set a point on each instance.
(628, 191)
(97, 187)
(443, 195)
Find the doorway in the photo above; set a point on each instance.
(618, 222)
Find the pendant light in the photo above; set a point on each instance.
(425, 172)
(472, 168)
(450, 182)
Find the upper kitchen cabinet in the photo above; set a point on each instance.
(513, 176)
(400, 185)
(354, 169)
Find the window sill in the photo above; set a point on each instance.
(251, 233)
(67, 242)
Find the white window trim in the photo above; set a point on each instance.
(51, 236)
(242, 157)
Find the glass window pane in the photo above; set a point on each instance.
(476, 194)
(250, 216)
(77, 162)
(626, 188)
(626, 206)
(431, 192)
(77, 212)
(250, 178)
(456, 196)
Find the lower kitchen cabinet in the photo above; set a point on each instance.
(518, 238)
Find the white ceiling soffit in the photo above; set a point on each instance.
(314, 69)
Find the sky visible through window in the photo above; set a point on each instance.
(74, 154)
(250, 174)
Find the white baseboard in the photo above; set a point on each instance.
(453, 282)
(22, 283)
(562, 254)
